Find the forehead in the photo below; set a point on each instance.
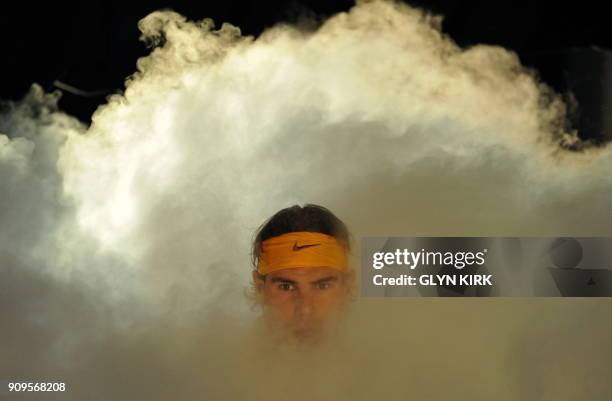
(304, 273)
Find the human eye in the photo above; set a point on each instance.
(323, 285)
(284, 286)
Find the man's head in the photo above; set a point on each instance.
(302, 276)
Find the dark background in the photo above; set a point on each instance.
(93, 45)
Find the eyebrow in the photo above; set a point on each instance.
(325, 279)
(282, 279)
(319, 281)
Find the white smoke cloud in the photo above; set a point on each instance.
(125, 245)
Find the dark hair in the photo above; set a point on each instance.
(310, 217)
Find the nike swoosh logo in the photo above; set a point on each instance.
(297, 247)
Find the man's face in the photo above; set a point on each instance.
(303, 300)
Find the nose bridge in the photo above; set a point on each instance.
(304, 301)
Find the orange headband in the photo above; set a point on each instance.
(302, 249)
